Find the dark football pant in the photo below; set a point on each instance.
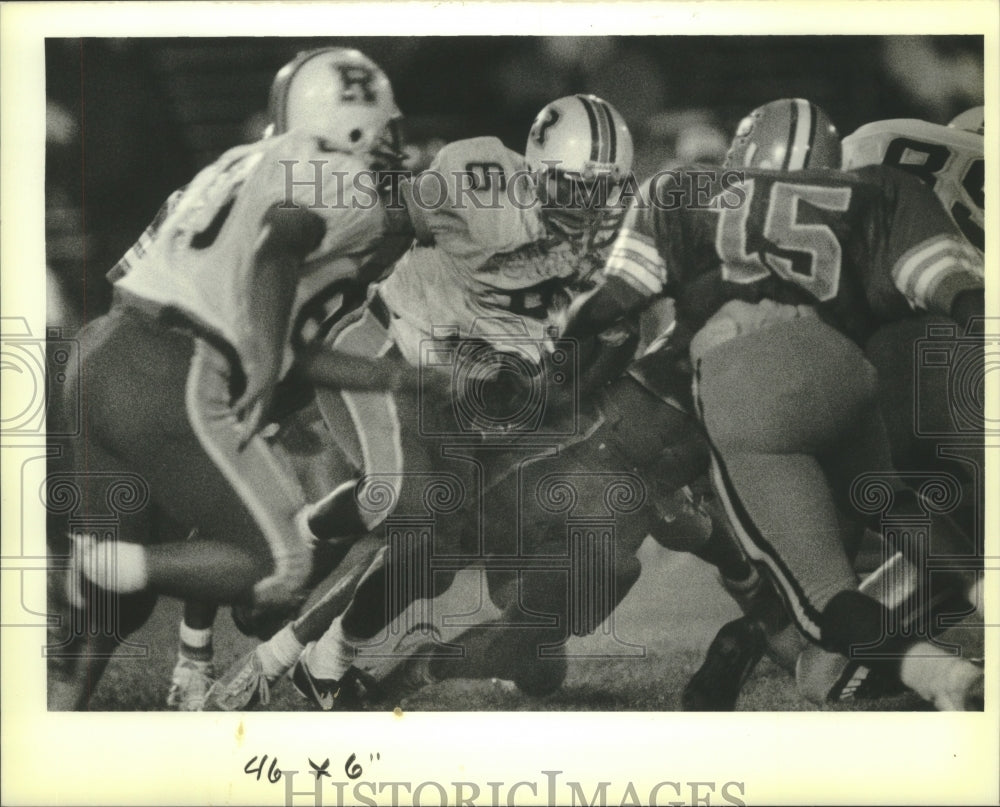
(792, 417)
(156, 403)
(404, 472)
(587, 508)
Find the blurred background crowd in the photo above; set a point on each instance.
(130, 120)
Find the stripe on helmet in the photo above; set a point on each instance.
(595, 136)
(279, 101)
(612, 134)
(814, 115)
(799, 136)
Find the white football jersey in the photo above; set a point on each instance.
(485, 272)
(198, 261)
(949, 160)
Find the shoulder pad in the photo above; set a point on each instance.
(870, 142)
(300, 167)
(478, 197)
(455, 156)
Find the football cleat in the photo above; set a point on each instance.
(342, 97)
(790, 134)
(825, 677)
(731, 657)
(243, 686)
(190, 684)
(348, 692)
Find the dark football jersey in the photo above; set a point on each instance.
(864, 247)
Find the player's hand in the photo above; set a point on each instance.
(251, 410)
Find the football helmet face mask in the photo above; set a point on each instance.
(343, 97)
(790, 134)
(580, 149)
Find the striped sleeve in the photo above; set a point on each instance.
(635, 256)
(935, 271)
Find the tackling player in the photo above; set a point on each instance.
(790, 436)
(950, 160)
(496, 263)
(739, 644)
(211, 310)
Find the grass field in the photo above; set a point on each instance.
(669, 617)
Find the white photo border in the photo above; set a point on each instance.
(147, 758)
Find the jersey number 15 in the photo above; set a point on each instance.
(806, 254)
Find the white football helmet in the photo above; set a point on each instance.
(581, 150)
(789, 134)
(972, 120)
(343, 97)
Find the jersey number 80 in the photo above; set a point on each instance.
(934, 171)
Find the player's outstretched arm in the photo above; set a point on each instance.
(333, 368)
(287, 237)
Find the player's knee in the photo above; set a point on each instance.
(627, 573)
(337, 515)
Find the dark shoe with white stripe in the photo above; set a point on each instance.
(351, 691)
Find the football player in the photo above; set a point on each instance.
(821, 676)
(949, 160)
(211, 310)
(496, 262)
(786, 399)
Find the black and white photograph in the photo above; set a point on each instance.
(384, 388)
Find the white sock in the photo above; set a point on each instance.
(195, 637)
(113, 565)
(279, 653)
(333, 654)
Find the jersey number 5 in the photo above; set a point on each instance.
(805, 254)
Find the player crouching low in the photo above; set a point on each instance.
(512, 257)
